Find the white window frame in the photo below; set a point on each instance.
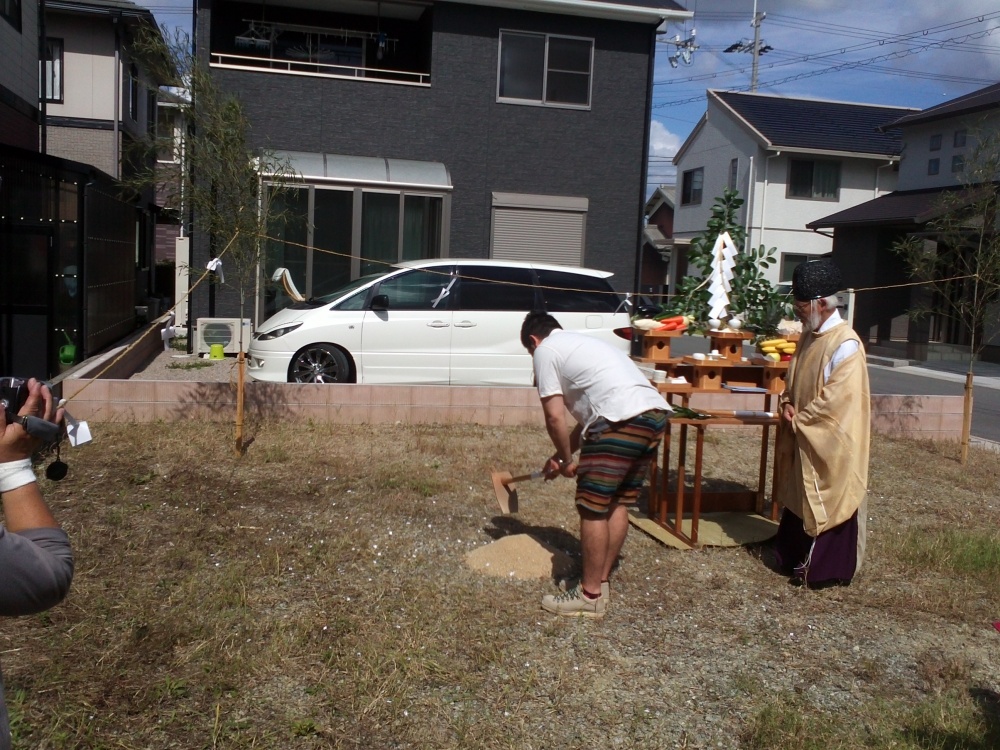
(174, 135)
(546, 70)
(52, 85)
(133, 92)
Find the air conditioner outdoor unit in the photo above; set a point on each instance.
(225, 331)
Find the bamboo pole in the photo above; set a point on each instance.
(966, 417)
(240, 379)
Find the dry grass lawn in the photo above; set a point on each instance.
(313, 594)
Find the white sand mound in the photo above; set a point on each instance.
(520, 556)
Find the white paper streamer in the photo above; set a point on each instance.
(723, 263)
(169, 330)
(215, 266)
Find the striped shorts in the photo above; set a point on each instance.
(614, 459)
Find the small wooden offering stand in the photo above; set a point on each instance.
(728, 373)
(656, 347)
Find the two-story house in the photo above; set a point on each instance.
(508, 129)
(658, 266)
(936, 142)
(68, 239)
(100, 100)
(792, 160)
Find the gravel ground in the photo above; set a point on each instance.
(176, 365)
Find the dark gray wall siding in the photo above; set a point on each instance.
(486, 146)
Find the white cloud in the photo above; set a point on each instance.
(661, 141)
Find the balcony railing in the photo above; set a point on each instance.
(319, 69)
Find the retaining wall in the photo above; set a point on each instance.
(109, 400)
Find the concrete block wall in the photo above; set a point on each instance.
(110, 400)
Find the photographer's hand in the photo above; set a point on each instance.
(15, 442)
(23, 506)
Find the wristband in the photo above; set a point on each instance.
(14, 474)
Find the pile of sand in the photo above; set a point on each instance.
(520, 556)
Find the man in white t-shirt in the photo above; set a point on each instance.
(620, 419)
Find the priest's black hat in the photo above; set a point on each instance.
(815, 279)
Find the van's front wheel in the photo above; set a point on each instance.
(320, 363)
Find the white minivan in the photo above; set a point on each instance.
(445, 321)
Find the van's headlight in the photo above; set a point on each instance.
(277, 332)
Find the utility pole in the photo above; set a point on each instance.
(757, 19)
(757, 48)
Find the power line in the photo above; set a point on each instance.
(842, 66)
(896, 39)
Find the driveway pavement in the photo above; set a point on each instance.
(947, 379)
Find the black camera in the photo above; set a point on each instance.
(13, 394)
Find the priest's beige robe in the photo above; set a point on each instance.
(822, 457)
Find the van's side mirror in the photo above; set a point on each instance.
(380, 302)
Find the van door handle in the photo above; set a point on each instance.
(465, 324)
(437, 324)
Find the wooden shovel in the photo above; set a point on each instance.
(506, 495)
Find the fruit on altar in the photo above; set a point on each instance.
(778, 346)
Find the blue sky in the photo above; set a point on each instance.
(910, 54)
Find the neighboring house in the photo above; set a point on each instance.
(99, 100)
(658, 266)
(935, 143)
(792, 160)
(508, 129)
(19, 115)
(68, 241)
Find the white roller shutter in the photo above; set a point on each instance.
(540, 228)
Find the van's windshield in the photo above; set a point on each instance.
(337, 293)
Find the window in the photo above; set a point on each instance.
(960, 136)
(151, 114)
(133, 93)
(816, 180)
(564, 291)
(418, 290)
(957, 164)
(495, 288)
(167, 135)
(691, 186)
(10, 11)
(788, 263)
(52, 71)
(933, 166)
(545, 69)
(734, 171)
(936, 142)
